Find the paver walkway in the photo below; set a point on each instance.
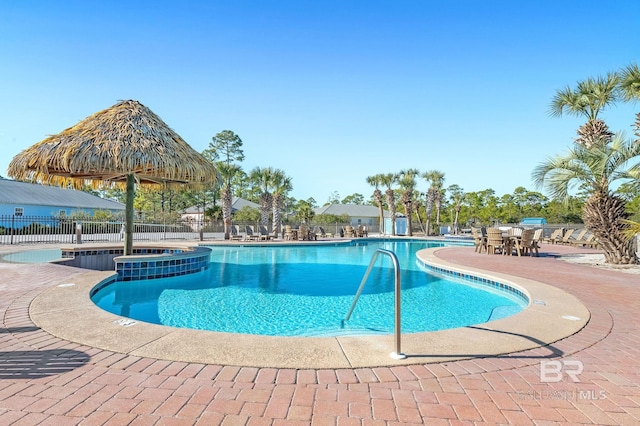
(48, 381)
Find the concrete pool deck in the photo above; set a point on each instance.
(48, 379)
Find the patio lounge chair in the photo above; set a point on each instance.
(555, 237)
(567, 235)
(588, 241)
(235, 233)
(323, 234)
(571, 240)
(264, 233)
(249, 234)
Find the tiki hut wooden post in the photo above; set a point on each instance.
(124, 145)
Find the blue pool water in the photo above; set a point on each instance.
(307, 291)
(32, 256)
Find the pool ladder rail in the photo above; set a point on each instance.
(397, 353)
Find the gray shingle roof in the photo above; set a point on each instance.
(13, 192)
(352, 210)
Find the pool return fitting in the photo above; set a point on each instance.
(397, 354)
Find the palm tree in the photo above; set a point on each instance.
(281, 185)
(227, 172)
(262, 178)
(588, 99)
(457, 198)
(388, 180)
(407, 181)
(630, 89)
(376, 181)
(435, 179)
(596, 169)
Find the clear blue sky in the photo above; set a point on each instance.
(328, 91)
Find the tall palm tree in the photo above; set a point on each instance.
(456, 195)
(407, 181)
(387, 180)
(281, 185)
(588, 99)
(435, 179)
(262, 176)
(596, 169)
(376, 182)
(227, 172)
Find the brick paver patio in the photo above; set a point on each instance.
(48, 381)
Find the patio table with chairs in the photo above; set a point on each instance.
(524, 242)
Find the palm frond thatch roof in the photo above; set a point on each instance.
(101, 150)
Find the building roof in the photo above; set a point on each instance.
(23, 193)
(351, 210)
(236, 204)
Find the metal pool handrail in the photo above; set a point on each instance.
(397, 354)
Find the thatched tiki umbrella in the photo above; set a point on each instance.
(119, 146)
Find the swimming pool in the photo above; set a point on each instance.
(306, 291)
(32, 256)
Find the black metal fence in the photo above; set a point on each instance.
(65, 230)
(51, 229)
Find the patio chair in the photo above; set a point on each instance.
(535, 243)
(264, 233)
(522, 244)
(479, 240)
(323, 234)
(288, 233)
(554, 237)
(588, 241)
(567, 236)
(303, 232)
(572, 241)
(495, 241)
(349, 232)
(234, 233)
(250, 234)
(515, 232)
